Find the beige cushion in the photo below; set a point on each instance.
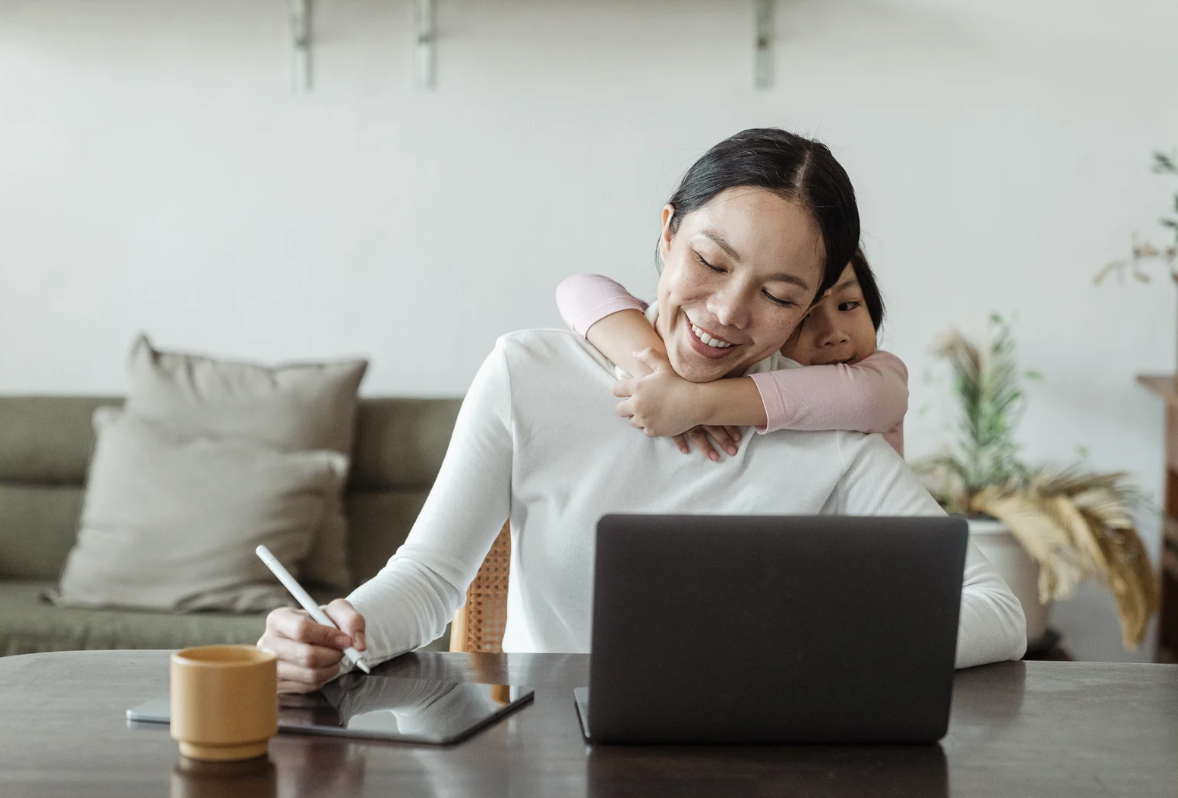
(171, 523)
(291, 407)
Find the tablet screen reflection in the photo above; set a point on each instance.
(411, 710)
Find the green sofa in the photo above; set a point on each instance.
(45, 447)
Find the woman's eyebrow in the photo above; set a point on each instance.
(783, 277)
(793, 279)
(723, 244)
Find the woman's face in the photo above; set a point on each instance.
(738, 276)
(838, 329)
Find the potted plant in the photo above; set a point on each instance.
(1044, 529)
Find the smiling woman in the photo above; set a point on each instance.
(762, 225)
(759, 227)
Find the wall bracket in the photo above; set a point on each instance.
(763, 43)
(300, 37)
(424, 58)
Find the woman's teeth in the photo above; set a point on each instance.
(709, 340)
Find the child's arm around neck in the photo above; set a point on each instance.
(869, 396)
(609, 318)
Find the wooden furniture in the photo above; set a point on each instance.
(479, 623)
(1167, 388)
(1018, 728)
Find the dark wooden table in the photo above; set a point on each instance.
(1018, 729)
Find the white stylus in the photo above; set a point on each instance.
(308, 603)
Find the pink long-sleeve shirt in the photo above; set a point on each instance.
(868, 396)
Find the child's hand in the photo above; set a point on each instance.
(661, 404)
(664, 404)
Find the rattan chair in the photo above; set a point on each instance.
(479, 623)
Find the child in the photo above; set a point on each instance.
(848, 384)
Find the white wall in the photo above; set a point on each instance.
(156, 174)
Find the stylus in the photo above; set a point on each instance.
(306, 601)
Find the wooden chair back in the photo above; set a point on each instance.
(479, 623)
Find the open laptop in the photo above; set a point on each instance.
(764, 629)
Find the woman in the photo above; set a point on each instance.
(760, 227)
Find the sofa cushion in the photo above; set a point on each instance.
(297, 406)
(171, 523)
(302, 406)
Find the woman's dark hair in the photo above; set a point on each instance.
(871, 296)
(796, 169)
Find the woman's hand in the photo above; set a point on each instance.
(664, 404)
(726, 437)
(309, 653)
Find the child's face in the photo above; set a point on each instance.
(838, 329)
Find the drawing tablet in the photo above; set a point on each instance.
(383, 708)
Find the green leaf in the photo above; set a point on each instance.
(1033, 375)
(990, 404)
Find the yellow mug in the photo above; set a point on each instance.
(224, 701)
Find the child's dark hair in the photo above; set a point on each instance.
(871, 296)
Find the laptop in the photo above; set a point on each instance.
(773, 629)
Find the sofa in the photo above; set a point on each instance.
(45, 448)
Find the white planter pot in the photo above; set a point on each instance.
(1013, 563)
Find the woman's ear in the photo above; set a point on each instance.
(668, 232)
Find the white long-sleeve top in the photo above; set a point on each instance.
(537, 438)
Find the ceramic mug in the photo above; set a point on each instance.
(224, 701)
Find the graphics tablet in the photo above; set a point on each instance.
(383, 708)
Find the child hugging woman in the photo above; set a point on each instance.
(839, 380)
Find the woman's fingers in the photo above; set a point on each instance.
(623, 388)
(697, 436)
(308, 653)
(681, 442)
(722, 438)
(735, 433)
(625, 409)
(298, 625)
(350, 622)
(302, 655)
